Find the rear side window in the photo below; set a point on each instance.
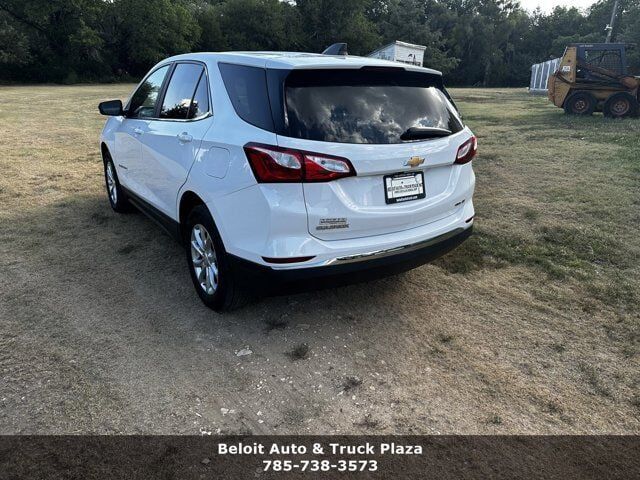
(247, 89)
(200, 103)
(365, 106)
(180, 92)
(143, 101)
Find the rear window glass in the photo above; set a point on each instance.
(200, 103)
(364, 106)
(247, 89)
(177, 100)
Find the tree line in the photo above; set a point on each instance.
(474, 42)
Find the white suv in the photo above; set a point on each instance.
(284, 171)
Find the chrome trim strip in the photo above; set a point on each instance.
(393, 251)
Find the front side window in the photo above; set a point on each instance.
(367, 106)
(143, 102)
(182, 86)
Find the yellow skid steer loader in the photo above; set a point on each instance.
(593, 77)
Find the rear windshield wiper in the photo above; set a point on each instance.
(417, 133)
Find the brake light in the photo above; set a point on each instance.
(272, 164)
(467, 151)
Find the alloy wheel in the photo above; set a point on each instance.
(204, 259)
(111, 184)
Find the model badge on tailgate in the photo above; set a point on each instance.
(332, 223)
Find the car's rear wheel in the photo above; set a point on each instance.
(117, 198)
(580, 103)
(211, 271)
(204, 259)
(621, 105)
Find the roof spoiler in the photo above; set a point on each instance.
(336, 49)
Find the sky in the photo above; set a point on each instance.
(548, 5)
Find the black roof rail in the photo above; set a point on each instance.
(336, 49)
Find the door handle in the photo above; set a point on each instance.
(184, 137)
(138, 131)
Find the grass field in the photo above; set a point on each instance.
(532, 326)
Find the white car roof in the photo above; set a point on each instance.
(297, 60)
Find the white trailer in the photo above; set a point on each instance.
(540, 73)
(400, 52)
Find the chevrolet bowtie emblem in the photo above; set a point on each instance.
(414, 162)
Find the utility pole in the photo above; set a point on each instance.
(612, 23)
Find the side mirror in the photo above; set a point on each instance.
(112, 108)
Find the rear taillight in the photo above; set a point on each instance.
(467, 151)
(276, 164)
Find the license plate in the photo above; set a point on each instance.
(404, 187)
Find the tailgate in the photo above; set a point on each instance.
(357, 206)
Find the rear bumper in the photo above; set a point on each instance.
(268, 281)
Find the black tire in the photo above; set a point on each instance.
(227, 295)
(580, 103)
(115, 194)
(620, 105)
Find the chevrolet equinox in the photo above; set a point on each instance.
(285, 171)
